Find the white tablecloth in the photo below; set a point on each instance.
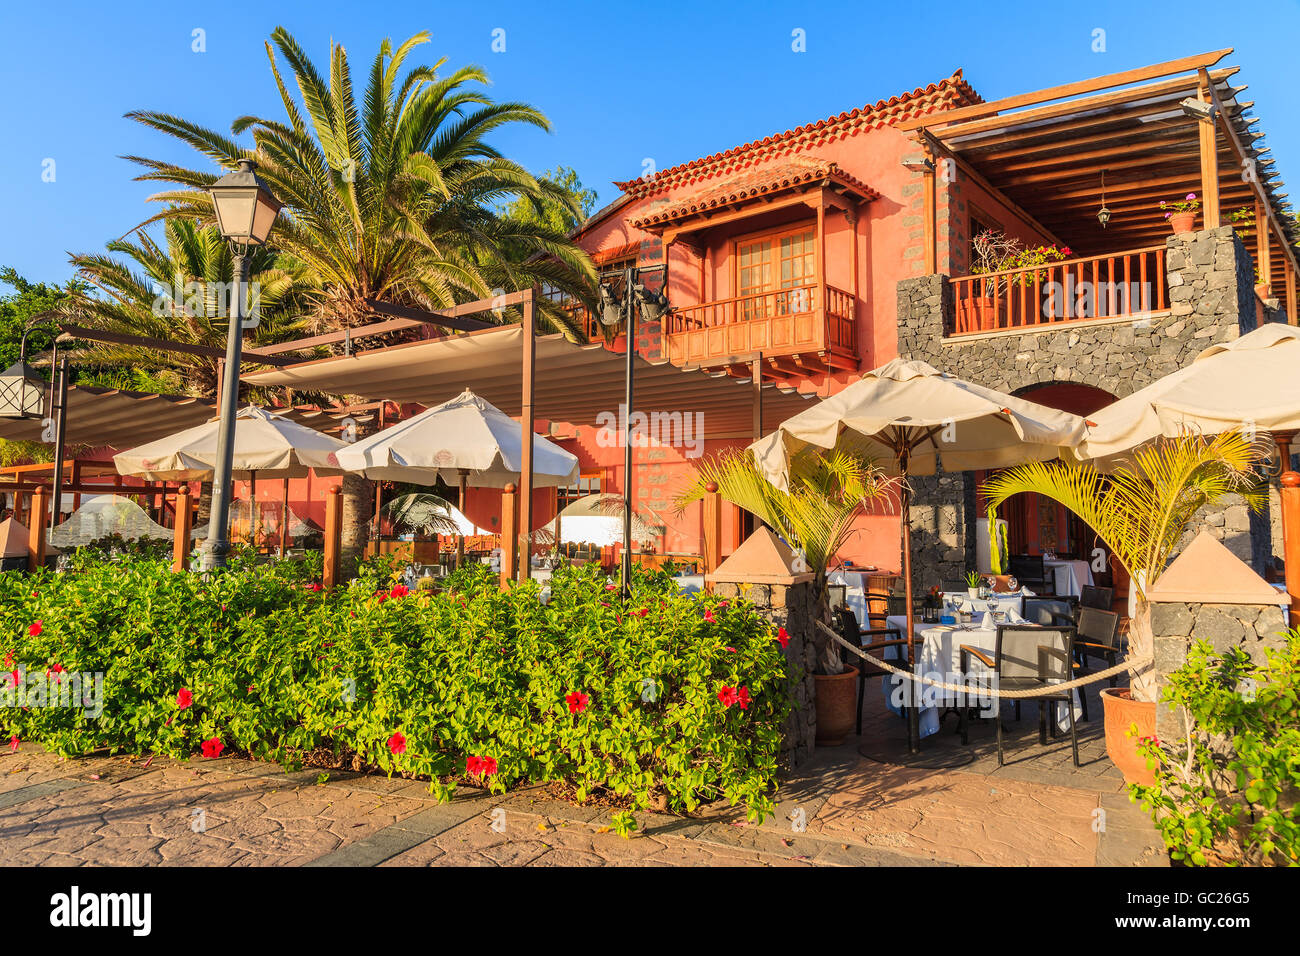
(855, 594)
(938, 657)
(1071, 575)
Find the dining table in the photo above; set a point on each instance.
(1071, 575)
(939, 658)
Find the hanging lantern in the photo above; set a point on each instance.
(1103, 214)
(22, 392)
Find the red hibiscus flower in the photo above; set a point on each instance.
(13, 743)
(722, 605)
(742, 697)
(783, 637)
(399, 590)
(212, 747)
(577, 701)
(478, 766)
(315, 586)
(642, 612)
(397, 743)
(727, 695)
(611, 587)
(731, 650)
(9, 659)
(35, 628)
(708, 617)
(184, 698)
(55, 671)
(488, 766)
(15, 677)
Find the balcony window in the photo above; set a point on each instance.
(782, 263)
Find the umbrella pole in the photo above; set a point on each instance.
(460, 538)
(913, 718)
(252, 509)
(284, 521)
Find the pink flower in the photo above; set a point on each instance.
(783, 637)
(397, 743)
(577, 701)
(722, 605)
(727, 695)
(1191, 195)
(742, 697)
(34, 629)
(212, 747)
(184, 698)
(13, 743)
(1065, 251)
(708, 617)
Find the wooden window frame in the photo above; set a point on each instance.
(805, 226)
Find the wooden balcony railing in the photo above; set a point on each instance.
(813, 318)
(1106, 286)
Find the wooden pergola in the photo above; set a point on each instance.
(1156, 133)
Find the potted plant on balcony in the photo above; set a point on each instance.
(1141, 511)
(815, 516)
(1181, 213)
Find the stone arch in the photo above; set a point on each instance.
(1081, 398)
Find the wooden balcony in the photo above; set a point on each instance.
(1113, 285)
(805, 330)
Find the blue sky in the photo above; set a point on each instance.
(667, 81)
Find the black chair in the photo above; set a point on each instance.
(1098, 597)
(1030, 571)
(1097, 635)
(955, 586)
(870, 640)
(1029, 658)
(1048, 612)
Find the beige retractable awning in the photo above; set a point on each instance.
(573, 383)
(110, 417)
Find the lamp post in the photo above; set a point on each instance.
(246, 211)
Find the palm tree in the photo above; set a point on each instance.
(826, 494)
(174, 292)
(1142, 509)
(393, 197)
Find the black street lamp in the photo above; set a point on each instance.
(246, 211)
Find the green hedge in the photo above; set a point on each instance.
(664, 699)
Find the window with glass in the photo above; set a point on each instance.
(774, 273)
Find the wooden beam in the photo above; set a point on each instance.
(1169, 67)
(1105, 101)
(184, 522)
(711, 510)
(36, 529)
(931, 234)
(509, 534)
(333, 537)
(1206, 135)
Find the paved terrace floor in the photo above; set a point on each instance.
(865, 803)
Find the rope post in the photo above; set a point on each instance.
(36, 529)
(509, 539)
(184, 521)
(712, 506)
(333, 536)
(1290, 500)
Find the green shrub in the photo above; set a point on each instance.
(661, 700)
(1227, 791)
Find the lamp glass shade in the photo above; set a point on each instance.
(244, 206)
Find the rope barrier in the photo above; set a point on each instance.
(1135, 665)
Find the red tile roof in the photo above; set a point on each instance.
(949, 93)
(752, 183)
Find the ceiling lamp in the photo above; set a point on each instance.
(1103, 214)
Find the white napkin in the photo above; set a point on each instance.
(1027, 593)
(1013, 617)
(987, 622)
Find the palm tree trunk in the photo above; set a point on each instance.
(1141, 643)
(203, 513)
(358, 508)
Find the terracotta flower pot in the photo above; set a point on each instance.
(1002, 583)
(837, 701)
(1182, 221)
(1122, 711)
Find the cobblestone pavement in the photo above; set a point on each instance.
(868, 802)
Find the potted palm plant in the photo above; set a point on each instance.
(1141, 511)
(826, 495)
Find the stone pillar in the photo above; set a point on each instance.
(759, 572)
(1208, 594)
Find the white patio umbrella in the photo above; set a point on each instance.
(464, 434)
(266, 444)
(460, 438)
(910, 417)
(598, 519)
(1252, 382)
